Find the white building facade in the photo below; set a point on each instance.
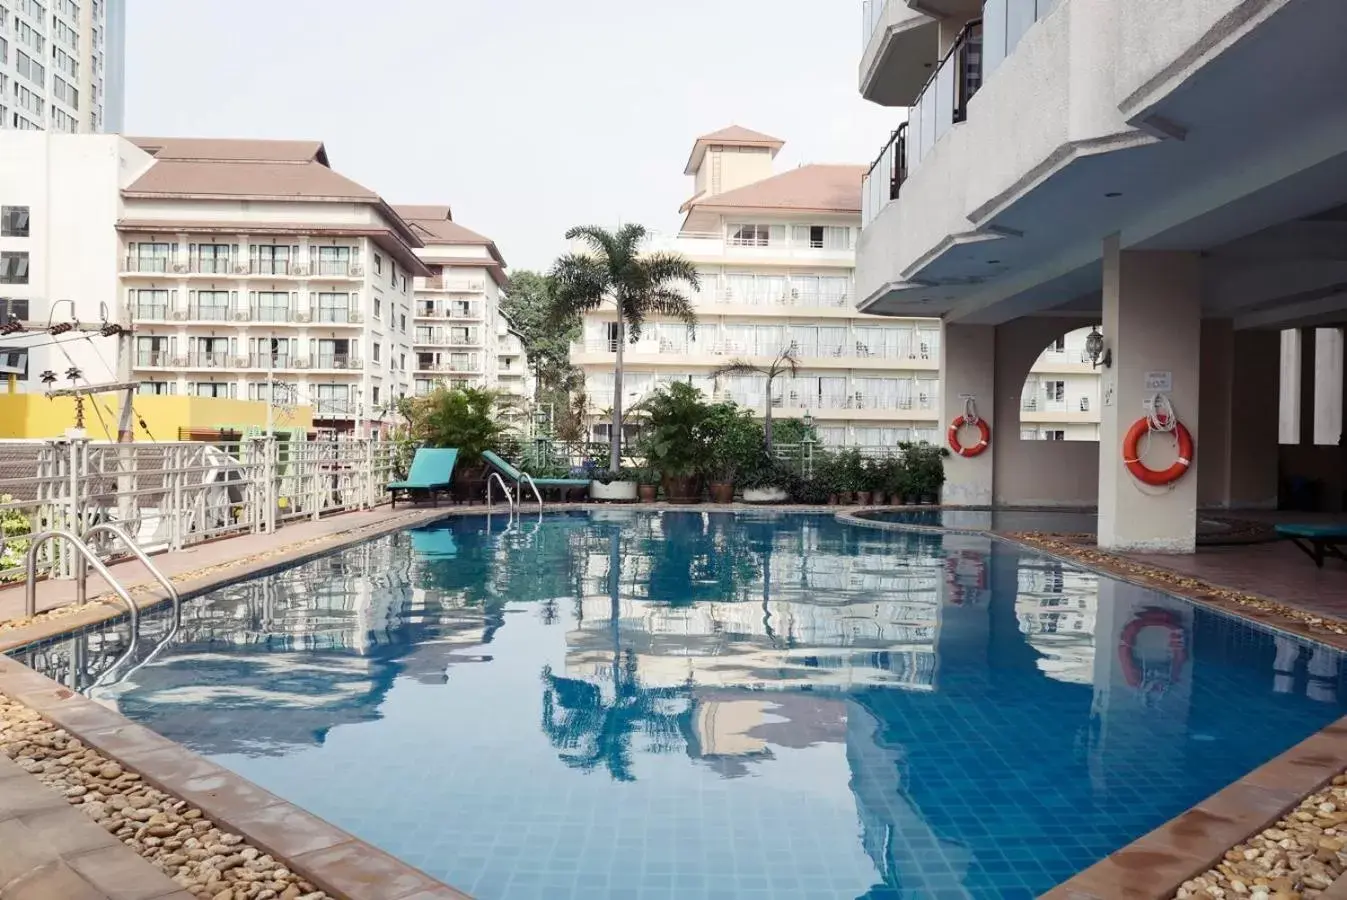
(62, 65)
(461, 338)
(246, 269)
(1061, 163)
(776, 257)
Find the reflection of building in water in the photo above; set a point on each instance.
(810, 610)
(1056, 608)
(732, 729)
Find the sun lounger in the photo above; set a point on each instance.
(1317, 541)
(514, 476)
(431, 474)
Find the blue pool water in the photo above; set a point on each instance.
(658, 705)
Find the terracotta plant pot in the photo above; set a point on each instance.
(846, 498)
(863, 498)
(648, 492)
(683, 489)
(879, 498)
(832, 500)
(722, 491)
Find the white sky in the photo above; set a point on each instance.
(526, 116)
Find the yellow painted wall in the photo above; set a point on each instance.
(35, 416)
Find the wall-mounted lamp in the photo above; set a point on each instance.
(1095, 350)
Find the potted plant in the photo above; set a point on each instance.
(647, 484)
(735, 441)
(765, 480)
(850, 469)
(614, 487)
(470, 420)
(674, 439)
(926, 471)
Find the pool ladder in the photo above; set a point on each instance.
(86, 558)
(514, 502)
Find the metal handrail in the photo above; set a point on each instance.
(118, 532)
(30, 570)
(525, 476)
(509, 498)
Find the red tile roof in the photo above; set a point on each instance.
(818, 188)
(733, 136)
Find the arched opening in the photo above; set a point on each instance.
(1061, 395)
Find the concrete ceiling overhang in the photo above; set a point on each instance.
(900, 57)
(1218, 171)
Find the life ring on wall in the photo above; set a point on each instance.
(1153, 617)
(1132, 454)
(984, 436)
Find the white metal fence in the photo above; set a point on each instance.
(171, 495)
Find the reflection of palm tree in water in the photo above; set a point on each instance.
(591, 731)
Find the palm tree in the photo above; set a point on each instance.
(786, 361)
(639, 286)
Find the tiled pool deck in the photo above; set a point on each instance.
(1152, 867)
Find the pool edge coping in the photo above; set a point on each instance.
(338, 862)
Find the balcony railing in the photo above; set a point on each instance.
(152, 359)
(277, 361)
(880, 185)
(1005, 22)
(270, 267)
(337, 268)
(338, 361)
(942, 102)
(474, 311)
(447, 340)
(872, 14)
(199, 312)
(790, 297)
(455, 285)
(333, 316)
(150, 312)
(212, 266)
(148, 264)
(209, 359)
(272, 314)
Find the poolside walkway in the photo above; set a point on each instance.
(203, 566)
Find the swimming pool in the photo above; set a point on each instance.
(631, 703)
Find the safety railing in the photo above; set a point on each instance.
(169, 495)
(494, 479)
(82, 550)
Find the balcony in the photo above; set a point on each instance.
(215, 266)
(333, 361)
(156, 265)
(336, 268)
(208, 312)
(790, 298)
(450, 368)
(271, 267)
(330, 316)
(436, 311)
(714, 246)
(940, 104)
(277, 361)
(899, 46)
(210, 359)
(150, 312)
(154, 359)
(454, 285)
(230, 266)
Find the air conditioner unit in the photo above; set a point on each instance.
(178, 361)
(356, 318)
(180, 315)
(241, 362)
(242, 269)
(299, 270)
(243, 315)
(923, 399)
(301, 364)
(180, 267)
(303, 317)
(357, 269)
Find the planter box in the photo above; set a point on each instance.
(616, 491)
(683, 489)
(765, 495)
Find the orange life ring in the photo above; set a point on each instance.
(984, 436)
(1132, 454)
(1178, 644)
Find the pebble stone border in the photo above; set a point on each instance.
(207, 861)
(1300, 856)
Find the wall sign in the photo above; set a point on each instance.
(1159, 382)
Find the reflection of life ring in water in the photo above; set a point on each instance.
(1178, 645)
(965, 574)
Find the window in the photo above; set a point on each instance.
(270, 259)
(332, 399)
(821, 237)
(152, 257)
(152, 351)
(753, 235)
(333, 260)
(33, 9)
(1059, 345)
(63, 121)
(374, 394)
(1084, 404)
(272, 306)
(28, 100)
(151, 304)
(156, 388)
(211, 306)
(212, 389)
(1054, 390)
(404, 284)
(334, 307)
(31, 36)
(402, 361)
(378, 308)
(378, 264)
(13, 221)
(377, 348)
(13, 308)
(64, 92)
(30, 68)
(211, 258)
(68, 36)
(71, 10)
(1056, 434)
(402, 322)
(14, 267)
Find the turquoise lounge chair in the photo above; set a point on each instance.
(514, 476)
(432, 472)
(1317, 541)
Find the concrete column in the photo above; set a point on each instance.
(1254, 443)
(1216, 386)
(967, 369)
(1307, 343)
(1152, 324)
